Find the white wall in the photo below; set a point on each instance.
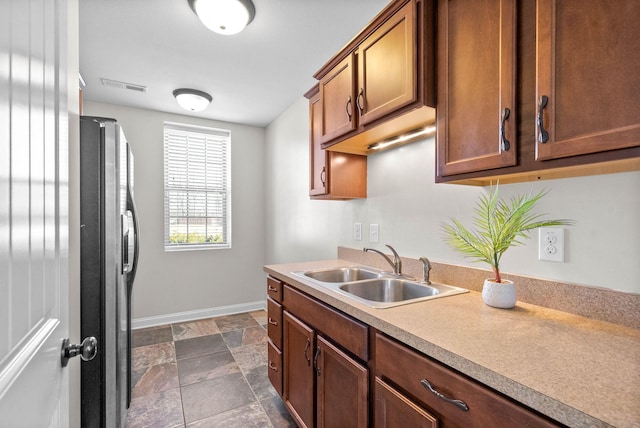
(182, 281)
(602, 249)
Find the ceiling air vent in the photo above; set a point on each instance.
(123, 85)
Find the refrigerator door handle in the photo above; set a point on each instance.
(133, 267)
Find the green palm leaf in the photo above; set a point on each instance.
(499, 225)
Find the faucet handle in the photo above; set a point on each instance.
(426, 267)
(397, 270)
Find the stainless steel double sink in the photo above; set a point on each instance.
(375, 288)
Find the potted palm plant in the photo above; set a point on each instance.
(499, 225)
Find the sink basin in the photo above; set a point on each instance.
(346, 274)
(376, 288)
(388, 292)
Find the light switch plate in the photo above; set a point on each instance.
(357, 231)
(374, 233)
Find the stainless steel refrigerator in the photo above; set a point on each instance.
(109, 243)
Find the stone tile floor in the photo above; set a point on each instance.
(204, 374)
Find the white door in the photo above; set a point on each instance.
(33, 213)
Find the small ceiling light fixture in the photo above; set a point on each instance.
(192, 99)
(224, 16)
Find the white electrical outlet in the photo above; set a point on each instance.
(374, 233)
(357, 231)
(551, 244)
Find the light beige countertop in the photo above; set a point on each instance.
(578, 371)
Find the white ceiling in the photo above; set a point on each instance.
(253, 76)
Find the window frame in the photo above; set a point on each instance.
(216, 135)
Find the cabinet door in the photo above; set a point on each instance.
(387, 66)
(476, 110)
(318, 175)
(394, 410)
(337, 101)
(299, 372)
(343, 393)
(588, 64)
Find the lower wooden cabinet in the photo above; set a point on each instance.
(323, 386)
(274, 322)
(343, 388)
(328, 377)
(454, 399)
(299, 373)
(394, 410)
(274, 332)
(274, 357)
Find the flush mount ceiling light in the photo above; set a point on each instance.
(224, 16)
(192, 99)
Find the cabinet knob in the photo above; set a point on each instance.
(543, 135)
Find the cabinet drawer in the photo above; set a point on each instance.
(275, 367)
(274, 289)
(274, 322)
(409, 370)
(349, 333)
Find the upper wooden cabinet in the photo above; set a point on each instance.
(387, 67)
(380, 84)
(476, 113)
(564, 70)
(337, 101)
(588, 84)
(332, 175)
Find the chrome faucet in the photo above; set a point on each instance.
(396, 264)
(426, 267)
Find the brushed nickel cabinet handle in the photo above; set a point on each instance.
(273, 366)
(315, 361)
(506, 145)
(543, 135)
(271, 321)
(270, 288)
(360, 104)
(458, 403)
(306, 348)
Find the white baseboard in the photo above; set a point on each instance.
(197, 314)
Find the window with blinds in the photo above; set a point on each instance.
(197, 187)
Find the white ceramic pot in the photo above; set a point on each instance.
(499, 294)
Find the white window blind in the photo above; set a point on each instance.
(197, 188)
